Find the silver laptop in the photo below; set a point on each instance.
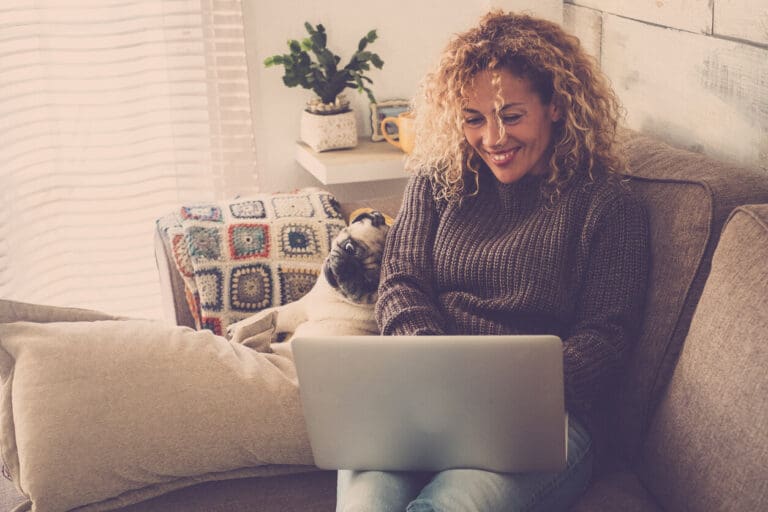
(434, 402)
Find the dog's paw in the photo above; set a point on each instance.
(256, 332)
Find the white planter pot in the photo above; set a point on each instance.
(323, 133)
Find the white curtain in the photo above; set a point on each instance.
(113, 112)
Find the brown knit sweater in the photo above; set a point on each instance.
(505, 261)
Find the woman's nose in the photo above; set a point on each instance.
(494, 134)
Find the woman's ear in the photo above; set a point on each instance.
(554, 112)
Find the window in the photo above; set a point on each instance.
(112, 113)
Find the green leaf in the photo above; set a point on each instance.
(275, 60)
(290, 81)
(311, 65)
(319, 39)
(327, 61)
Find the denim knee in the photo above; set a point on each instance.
(377, 491)
(477, 490)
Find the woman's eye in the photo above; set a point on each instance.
(511, 118)
(473, 121)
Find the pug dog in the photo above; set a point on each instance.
(341, 301)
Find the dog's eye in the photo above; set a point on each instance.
(348, 247)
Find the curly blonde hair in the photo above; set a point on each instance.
(559, 71)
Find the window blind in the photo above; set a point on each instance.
(112, 113)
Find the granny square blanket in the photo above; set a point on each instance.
(241, 256)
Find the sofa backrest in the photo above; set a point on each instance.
(688, 197)
(707, 447)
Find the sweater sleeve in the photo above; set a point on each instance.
(610, 301)
(406, 303)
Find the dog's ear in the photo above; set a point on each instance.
(377, 218)
(360, 214)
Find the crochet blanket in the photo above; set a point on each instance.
(241, 256)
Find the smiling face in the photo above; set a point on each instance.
(508, 126)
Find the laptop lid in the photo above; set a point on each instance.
(433, 402)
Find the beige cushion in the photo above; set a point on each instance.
(688, 197)
(13, 311)
(708, 444)
(116, 411)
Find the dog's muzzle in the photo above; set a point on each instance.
(329, 275)
(350, 274)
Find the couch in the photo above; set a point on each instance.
(684, 429)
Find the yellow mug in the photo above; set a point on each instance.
(406, 131)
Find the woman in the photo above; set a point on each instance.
(514, 222)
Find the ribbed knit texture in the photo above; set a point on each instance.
(507, 262)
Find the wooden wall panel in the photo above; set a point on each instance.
(691, 90)
(690, 15)
(744, 19)
(548, 9)
(587, 25)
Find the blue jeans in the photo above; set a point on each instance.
(471, 490)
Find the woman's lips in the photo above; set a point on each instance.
(502, 157)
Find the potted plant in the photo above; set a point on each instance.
(327, 122)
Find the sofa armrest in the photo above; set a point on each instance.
(173, 296)
(706, 449)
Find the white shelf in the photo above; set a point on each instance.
(369, 161)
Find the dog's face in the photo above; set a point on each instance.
(353, 266)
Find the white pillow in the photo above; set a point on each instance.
(93, 410)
